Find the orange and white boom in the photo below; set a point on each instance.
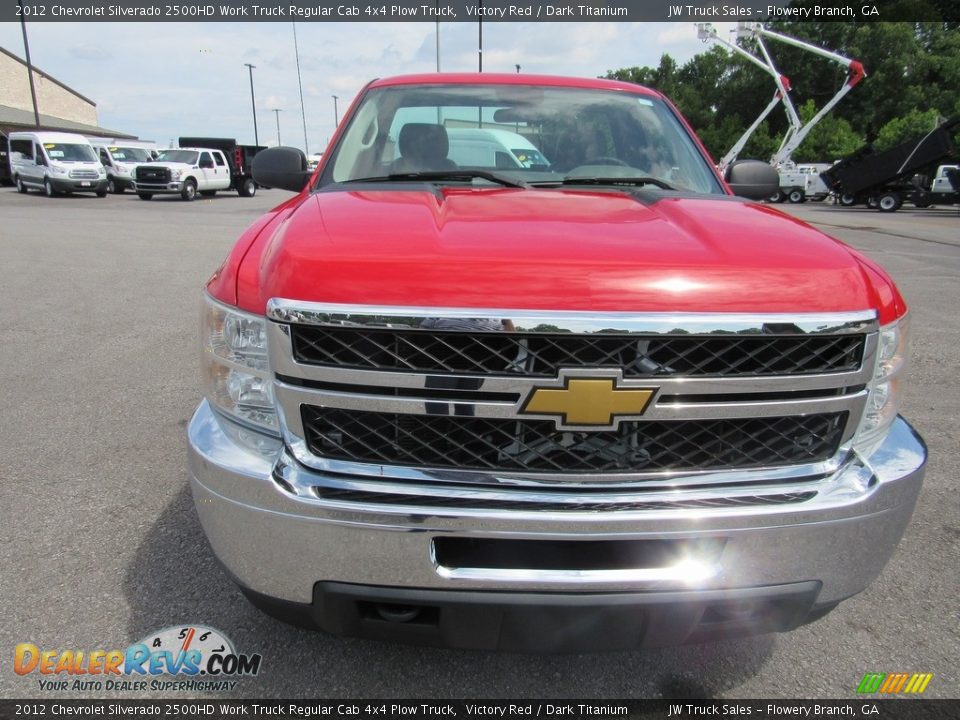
(707, 32)
(855, 73)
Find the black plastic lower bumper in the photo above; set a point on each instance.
(547, 622)
(69, 185)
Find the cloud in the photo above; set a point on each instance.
(90, 52)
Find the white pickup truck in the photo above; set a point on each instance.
(944, 188)
(942, 182)
(185, 172)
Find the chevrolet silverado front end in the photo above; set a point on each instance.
(598, 402)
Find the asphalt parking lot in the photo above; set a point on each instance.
(100, 376)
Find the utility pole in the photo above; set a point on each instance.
(26, 51)
(303, 114)
(253, 104)
(276, 112)
(336, 113)
(480, 40)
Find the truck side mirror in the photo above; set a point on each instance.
(753, 179)
(281, 167)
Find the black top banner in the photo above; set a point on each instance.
(865, 708)
(478, 10)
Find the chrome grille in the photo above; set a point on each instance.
(84, 174)
(463, 442)
(544, 355)
(414, 399)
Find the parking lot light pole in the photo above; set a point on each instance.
(480, 40)
(253, 104)
(336, 113)
(26, 52)
(303, 112)
(276, 112)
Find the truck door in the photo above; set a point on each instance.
(222, 170)
(40, 162)
(206, 174)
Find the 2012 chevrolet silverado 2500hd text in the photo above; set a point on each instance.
(587, 400)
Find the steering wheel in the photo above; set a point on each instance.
(604, 160)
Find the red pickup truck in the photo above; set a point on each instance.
(547, 382)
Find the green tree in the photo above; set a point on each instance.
(912, 125)
(830, 139)
(909, 65)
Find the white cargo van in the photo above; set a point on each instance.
(493, 148)
(55, 163)
(121, 158)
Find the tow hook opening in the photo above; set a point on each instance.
(399, 613)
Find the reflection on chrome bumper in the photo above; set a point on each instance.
(279, 540)
(173, 186)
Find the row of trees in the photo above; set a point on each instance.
(913, 78)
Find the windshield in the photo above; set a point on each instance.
(540, 135)
(62, 152)
(188, 157)
(127, 154)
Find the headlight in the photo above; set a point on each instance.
(59, 169)
(175, 174)
(235, 371)
(121, 167)
(886, 388)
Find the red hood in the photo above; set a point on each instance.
(559, 250)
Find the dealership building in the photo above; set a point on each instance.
(60, 106)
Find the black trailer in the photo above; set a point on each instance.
(239, 157)
(884, 178)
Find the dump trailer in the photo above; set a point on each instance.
(884, 178)
(239, 158)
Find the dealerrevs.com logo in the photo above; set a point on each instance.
(189, 658)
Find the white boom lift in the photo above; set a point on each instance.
(793, 184)
(707, 32)
(855, 73)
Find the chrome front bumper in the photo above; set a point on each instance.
(174, 186)
(282, 544)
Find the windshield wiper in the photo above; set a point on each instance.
(632, 181)
(458, 174)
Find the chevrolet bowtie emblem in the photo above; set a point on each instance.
(588, 401)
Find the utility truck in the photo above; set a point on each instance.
(200, 166)
(796, 185)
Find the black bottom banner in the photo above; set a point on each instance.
(867, 708)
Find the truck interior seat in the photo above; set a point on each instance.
(423, 147)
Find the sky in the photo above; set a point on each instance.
(163, 80)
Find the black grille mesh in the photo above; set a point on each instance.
(543, 355)
(152, 174)
(466, 442)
